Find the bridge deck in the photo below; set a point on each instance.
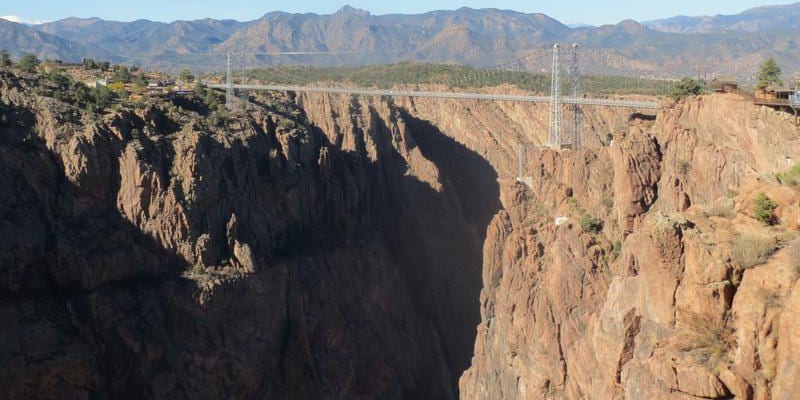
(447, 95)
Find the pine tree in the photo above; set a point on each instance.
(769, 73)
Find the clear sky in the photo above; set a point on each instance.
(567, 11)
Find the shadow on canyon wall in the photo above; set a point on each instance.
(374, 296)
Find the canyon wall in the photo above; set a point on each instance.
(152, 254)
(324, 247)
(619, 274)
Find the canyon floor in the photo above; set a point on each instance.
(332, 247)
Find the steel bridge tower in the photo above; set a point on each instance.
(572, 136)
(555, 101)
(575, 108)
(230, 96)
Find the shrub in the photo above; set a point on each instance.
(607, 202)
(590, 224)
(750, 250)
(186, 75)
(663, 223)
(764, 209)
(286, 123)
(684, 167)
(708, 337)
(790, 177)
(89, 63)
(5, 59)
(617, 248)
(722, 209)
(687, 87)
(121, 74)
(117, 87)
(103, 97)
(28, 62)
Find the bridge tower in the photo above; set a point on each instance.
(230, 96)
(555, 101)
(571, 133)
(576, 112)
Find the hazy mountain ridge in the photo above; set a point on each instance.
(729, 45)
(19, 38)
(753, 20)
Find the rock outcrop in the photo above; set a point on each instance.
(151, 254)
(339, 247)
(657, 299)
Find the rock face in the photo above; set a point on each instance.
(657, 301)
(331, 247)
(148, 254)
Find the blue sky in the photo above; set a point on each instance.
(567, 11)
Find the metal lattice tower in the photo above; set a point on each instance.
(244, 95)
(575, 78)
(230, 96)
(555, 101)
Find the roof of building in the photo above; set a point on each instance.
(778, 89)
(724, 79)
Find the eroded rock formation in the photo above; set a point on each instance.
(658, 303)
(150, 254)
(334, 247)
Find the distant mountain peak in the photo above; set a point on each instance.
(349, 10)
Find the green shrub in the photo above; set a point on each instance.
(590, 224)
(687, 87)
(286, 123)
(617, 248)
(198, 269)
(790, 177)
(5, 59)
(764, 209)
(28, 62)
(121, 74)
(607, 202)
(749, 250)
(186, 75)
(103, 97)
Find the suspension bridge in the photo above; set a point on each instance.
(565, 108)
(440, 95)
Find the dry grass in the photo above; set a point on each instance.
(751, 249)
(722, 209)
(708, 337)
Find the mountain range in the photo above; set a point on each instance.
(715, 45)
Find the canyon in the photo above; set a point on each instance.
(325, 247)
